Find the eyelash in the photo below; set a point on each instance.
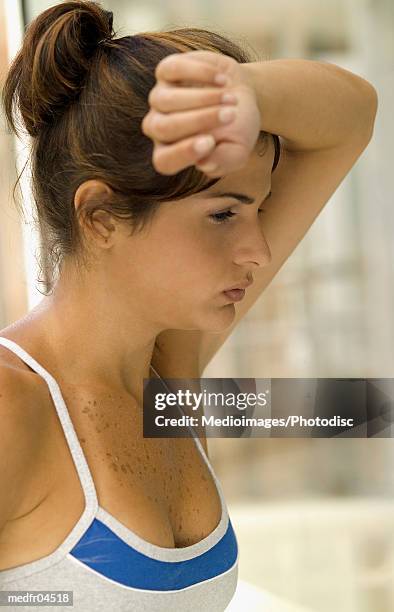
(218, 218)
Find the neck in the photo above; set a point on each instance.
(87, 345)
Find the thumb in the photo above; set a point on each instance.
(227, 157)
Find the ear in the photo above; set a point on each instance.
(89, 192)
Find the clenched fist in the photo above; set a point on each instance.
(188, 108)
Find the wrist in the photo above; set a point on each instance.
(250, 80)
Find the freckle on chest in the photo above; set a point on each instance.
(111, 433)
(162, 472)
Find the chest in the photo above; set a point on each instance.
(159, 488)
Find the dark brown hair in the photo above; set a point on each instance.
(82, 96)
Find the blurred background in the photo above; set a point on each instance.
(314, 517)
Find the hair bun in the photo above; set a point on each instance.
(50, 69)
(110, 34)
(110, 16)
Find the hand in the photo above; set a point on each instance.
(185, 105)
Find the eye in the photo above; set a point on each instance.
(222, 217)
(226, 215)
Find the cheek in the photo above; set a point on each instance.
(188, 271)
(179, 261)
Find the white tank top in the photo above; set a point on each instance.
(108, 567)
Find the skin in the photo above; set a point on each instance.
(169, 276)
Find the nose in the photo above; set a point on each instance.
(254, 249)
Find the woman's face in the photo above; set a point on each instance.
(180, 264)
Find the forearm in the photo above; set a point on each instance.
(310, 104)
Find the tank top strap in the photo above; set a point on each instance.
(77, 453)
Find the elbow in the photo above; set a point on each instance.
(366, 115)
(371, 102)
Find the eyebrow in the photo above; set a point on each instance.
(241, 197)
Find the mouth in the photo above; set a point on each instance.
(235, 295)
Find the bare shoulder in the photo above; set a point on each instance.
(21, 435)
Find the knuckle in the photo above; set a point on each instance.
(156, 161)
(166, 95)
(166, 66)
(162, 98)
(159, 162)
(157, 155)
(146, 124)
(158, 70)
(152, 96)
(157, 125)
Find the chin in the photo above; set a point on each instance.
(219, 319)
(208, 318)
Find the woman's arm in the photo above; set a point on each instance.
(312, 105)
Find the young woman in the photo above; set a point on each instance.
(142, 245)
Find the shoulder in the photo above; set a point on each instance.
(21, 436)
(23, 395)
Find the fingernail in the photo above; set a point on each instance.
(204, 143)
(226, 114)
(228, 97)
(221, 79)
(208, 167)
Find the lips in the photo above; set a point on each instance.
(235, 295)
(241, 285)
(237, 292)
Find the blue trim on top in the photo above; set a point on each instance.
(103, 551)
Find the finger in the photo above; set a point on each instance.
(168, 128)
(170, 159)
(221, 62)
(166, 99)
(208, 57)
(181, 67)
